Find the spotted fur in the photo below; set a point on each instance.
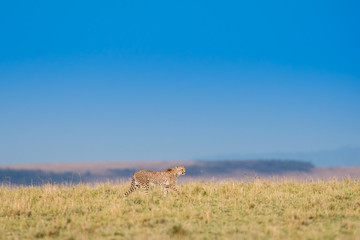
(167, 179)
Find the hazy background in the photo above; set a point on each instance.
(164, 80)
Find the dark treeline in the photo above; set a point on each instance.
(258, 166)
(199, 169)
(39, 177)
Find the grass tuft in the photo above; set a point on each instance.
(178, 230)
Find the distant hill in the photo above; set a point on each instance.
(345, 156)
(55, 173)
(27, 175)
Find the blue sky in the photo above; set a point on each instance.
(142, 80)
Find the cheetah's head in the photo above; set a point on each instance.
(180, 170)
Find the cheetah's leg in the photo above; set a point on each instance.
(174, 189)
(166, 189)
(133, 187)
(145, 186)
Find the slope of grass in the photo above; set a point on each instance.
(205, 210)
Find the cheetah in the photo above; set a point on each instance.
(167, 178)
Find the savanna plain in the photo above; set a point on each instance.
(258, 209)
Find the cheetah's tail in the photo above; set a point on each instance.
(133, 187)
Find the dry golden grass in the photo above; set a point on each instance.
(206, 210)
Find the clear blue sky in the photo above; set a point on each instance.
(145, 80)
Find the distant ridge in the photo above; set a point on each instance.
(59, 173)
(341, 157)
(220, 169)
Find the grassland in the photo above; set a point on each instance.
(260, 209)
